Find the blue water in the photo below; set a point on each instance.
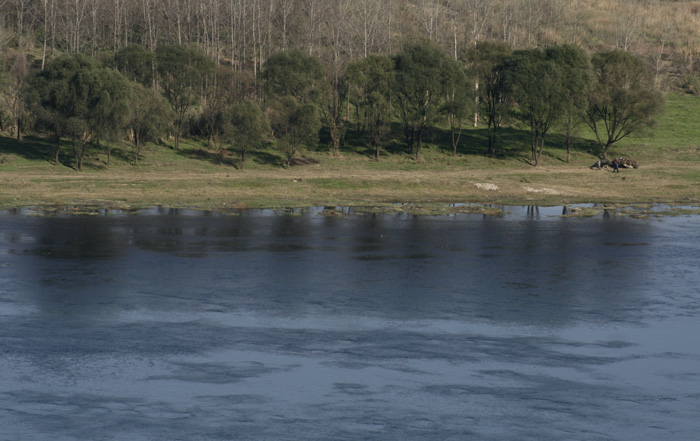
(179, 325)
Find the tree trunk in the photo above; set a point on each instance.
(568, 142)
(137, 149)
(58, 149)
(419, 143)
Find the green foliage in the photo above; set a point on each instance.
(372, 82)
(181, 73)
(294, 125)
(577, 78)
(459, 101)
(422, 74)
(77, 98)
(150, 117)
(486, 61)
(293, 73)
(623, 100)
(136, 63)
(537, 87)
(248, 128)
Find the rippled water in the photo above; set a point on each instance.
(172, 325)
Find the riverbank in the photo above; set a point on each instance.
(333, 184)
(194, 177)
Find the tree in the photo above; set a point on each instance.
(108, 109)
(372, 80)
(459, 99)
(248, 128)
(136, 63)
(537, 88)
(181, 74)
(575, 68)
(487, 60)
(219, 97)
(76, 97)
(623, 100)
(150, 117)
(294, 125)
(293, 73)
(420, 89)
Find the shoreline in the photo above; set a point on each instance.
(225, 191)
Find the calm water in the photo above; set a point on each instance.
(187, 326)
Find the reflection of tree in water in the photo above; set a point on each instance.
(551, 271)
(78, 238)
(531, 269)
(68, 264)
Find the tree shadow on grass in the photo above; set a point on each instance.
(31, 147)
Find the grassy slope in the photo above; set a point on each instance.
(669, 172)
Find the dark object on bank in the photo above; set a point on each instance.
(621, 162)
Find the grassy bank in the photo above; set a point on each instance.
(194, 177)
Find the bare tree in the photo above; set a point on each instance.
(314, 11)
(430, 14)
(629, 24)
(373, 22)
(478, 13)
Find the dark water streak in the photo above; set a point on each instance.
(181, 325)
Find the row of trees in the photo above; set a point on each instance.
(178, 90)
(246, 32)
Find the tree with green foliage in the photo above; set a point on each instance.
(247, 128)
(78, 98)
(217, 100)
(182, 72)
(109, 110)
(420, 88)
(150, 117)
(537, 87)
(575, 68)
(372, 82)
(294, 125)
(623, 99)
(293, 73)
(136, 63)
(493, 100)
(459, 101)
(332, 113)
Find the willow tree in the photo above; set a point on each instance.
(537, 87)
(575, 68)
(77, 98)
(492, 98)
(246, 128)
(623, 99)
(182, 72)
(150, 117)
(371, 80)
(422, 75)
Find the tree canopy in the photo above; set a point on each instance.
(181, 74)
(623, 100)
(78, 98)
(422, 73)
(293, 73)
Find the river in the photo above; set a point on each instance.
(181, 325)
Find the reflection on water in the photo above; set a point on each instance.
(184, 325)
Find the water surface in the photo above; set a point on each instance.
(177, 325)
